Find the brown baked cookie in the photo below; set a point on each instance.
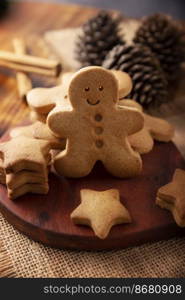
(34, 116)
(33, 188)
(43, 100)
(50, 95)
(130, 103)
(154, 128)
(101, 211)
(27, 131)
(95, 127)
(172, 197)
(39, 130)
(141, 141)
(23, 153)
(160, 129)
(124, 83)
(16, 180)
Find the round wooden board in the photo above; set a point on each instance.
(46, 218)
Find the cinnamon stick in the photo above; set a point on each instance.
(24, 83)
(30, 64)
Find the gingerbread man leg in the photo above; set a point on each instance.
(122, 161)
(73, 163)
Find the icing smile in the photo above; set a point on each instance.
(90, 103)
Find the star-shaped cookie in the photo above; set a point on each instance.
(34, 188)
(172, 197)
(40, 131)
(100, 210)
(23, 153)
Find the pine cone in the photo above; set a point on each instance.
(149, 83)
(100, 35)
(165, 39)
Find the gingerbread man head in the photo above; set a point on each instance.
(43, 100)
(93, 87)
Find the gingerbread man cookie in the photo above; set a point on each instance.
(154, 129)
(43, 100)
(95, 128)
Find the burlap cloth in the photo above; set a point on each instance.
(31, 259)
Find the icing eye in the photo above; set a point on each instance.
(65, 97)
(100, 88)
(87, 89)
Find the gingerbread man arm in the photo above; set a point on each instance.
(130, 119)
(60, 121)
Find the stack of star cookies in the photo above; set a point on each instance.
(172, 197)
(26, 170)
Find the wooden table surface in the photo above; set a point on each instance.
(27, 20)
(34, 19)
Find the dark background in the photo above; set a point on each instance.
(134, 8)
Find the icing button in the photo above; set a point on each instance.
(99, 143)
(98, 130)
(98, 117)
